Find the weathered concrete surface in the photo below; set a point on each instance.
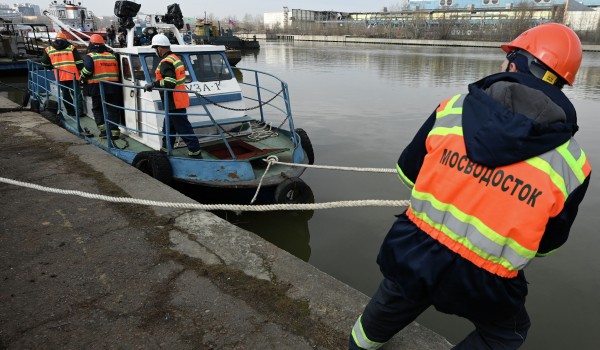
(80, 273)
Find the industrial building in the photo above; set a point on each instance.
(583, 15)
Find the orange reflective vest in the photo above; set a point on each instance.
(181, 100)
(63, 62)
(457, 201)
(106, 68)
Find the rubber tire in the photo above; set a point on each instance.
(51, 106)
(26, 99)
(306, 145)
(293, 191)
(35, 106)
(155, 164)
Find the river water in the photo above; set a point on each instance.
(361, 105)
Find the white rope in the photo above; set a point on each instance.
(330, 167)
(272, 159)
(231, 207)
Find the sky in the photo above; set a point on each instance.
(225, 8)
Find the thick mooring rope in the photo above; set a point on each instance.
(232, 207)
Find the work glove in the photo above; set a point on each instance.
(148, 87)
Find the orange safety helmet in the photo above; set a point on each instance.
(555, 45)
(61, 35)
(96, 39)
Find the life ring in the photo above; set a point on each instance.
(306, 145)
(293, 191)
(155, 164)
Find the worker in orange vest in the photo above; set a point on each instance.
(65, 59)
(101, 65)
(170, 74)
(496, 179)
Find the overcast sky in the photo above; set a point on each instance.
(226, 8)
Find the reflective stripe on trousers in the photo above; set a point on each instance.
(361, 339)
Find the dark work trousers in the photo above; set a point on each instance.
(114, 114)
(388, 312)
(66, 93)
(179, 124)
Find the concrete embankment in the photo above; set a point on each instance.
(82, 273)
(385, 41)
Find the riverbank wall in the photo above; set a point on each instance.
(385, 41)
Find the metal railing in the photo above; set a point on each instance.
(271, 100)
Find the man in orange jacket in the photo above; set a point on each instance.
(101, 65)
(170, 74)
(65, 58)
(496, 179)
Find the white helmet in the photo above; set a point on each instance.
(160, 40)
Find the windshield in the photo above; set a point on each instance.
(152, 61)
(210, 67)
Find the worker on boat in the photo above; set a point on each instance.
(170, 74)
(496, 179)
(99, 64)
(65, 59)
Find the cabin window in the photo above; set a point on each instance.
(209, 67)
(152, 61)
(138, 72)
(126, 69)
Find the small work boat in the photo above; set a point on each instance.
(72, 16)
(238, 123)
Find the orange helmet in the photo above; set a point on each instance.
(96, 39)
(555, 45)
(61, 35)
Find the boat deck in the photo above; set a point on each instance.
(244, 148)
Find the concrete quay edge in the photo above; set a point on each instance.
(210, 241)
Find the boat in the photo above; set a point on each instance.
(233, 56)
(68, 15)
(208, 33)
(239, 124)
(20, 42)
(144, 28)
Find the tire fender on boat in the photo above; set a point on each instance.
(306, 145)
(155, 164)
(26, 98)
(50, 106)
(293, 191)
(35, 105)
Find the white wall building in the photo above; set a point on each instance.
(272, 19)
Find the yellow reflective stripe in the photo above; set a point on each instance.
(475, 222)
(108, 76)
(404, 178)
(171, 80)
(361, 339)
(63, 63)
(575, 164)
(555, 177)
(450, 108)
(443, 131)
